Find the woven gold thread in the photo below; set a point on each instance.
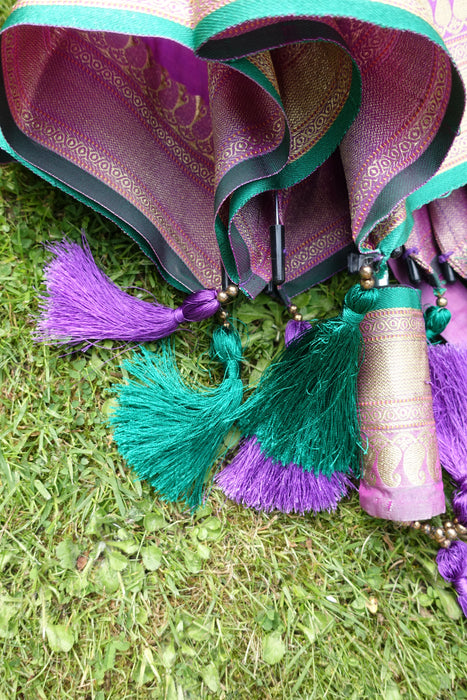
(395, 400)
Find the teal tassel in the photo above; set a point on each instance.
(169, 432)
(436, 320)
(304, 409)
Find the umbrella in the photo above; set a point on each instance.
(178, 120)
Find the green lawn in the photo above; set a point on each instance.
(107, 593)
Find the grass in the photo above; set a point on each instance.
(105, 592)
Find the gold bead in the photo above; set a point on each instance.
(426, 529)
(293, 308)
(226, 324)
(366, 272)
(461, 529)
(445, 544)
(222, 297)
(439, 534)
(416, 525)
(447, 524)
(441, 302)
(367, 284)
(451, 533)
(298, 317)
(232, 290)
(223, 315)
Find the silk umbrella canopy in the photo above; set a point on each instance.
(179, 120)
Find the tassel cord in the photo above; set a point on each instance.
(436, 320)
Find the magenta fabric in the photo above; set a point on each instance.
(334, 117)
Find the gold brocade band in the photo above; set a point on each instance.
(402, 474)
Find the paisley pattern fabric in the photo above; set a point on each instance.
(402, 474)
(179, 119)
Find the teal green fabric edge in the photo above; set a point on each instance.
(364, 10)
(139, 240)
(101, 19)
(145, 24)
(437, 187)
(398, 297)
(440, 145)
(307, 164)
(225, 250)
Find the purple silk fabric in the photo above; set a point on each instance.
(184, 140)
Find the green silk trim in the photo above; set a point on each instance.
(365, 10)
(144, 24)
(101, 19)
(437, 187)
(398, 297)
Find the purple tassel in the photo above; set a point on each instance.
(448, 371)
(257, 481)
(452, 565)
(294, 329)
(83, 304)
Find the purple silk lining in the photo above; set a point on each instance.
(181, 63)
(162, 128)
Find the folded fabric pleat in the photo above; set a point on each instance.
(178, 119)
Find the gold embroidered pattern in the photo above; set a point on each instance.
(410, 129)
(112, 67)
(314, 81)
(395, 401)
(254, 127)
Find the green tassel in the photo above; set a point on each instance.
(304, 409)
(169, 432)
(436, 320)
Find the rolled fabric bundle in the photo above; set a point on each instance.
(401, 469)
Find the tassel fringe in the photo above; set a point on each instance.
(82, 304)
(257, 481)
(171, 433)
(302, 460)
(452, 565)
(294, 329)
(448, 371)
(316, 376)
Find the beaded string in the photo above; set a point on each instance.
(225, 296)
(445, 535)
